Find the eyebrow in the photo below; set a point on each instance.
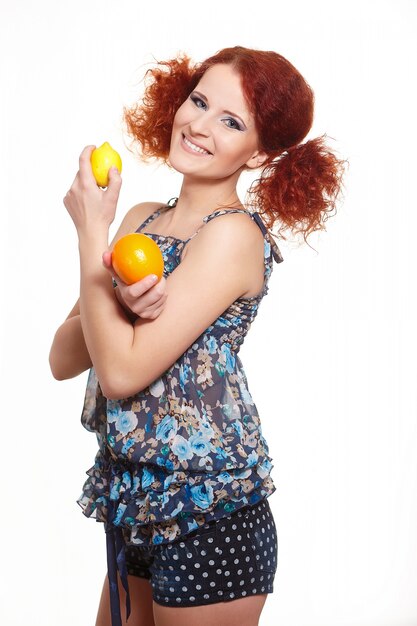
(203, 97)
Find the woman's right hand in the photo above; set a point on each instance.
(145, 299)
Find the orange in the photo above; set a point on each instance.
(136, 255)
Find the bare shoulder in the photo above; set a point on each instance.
(135, 217)
(235, 233)
(138, 213)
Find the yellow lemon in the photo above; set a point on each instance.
(102, 159)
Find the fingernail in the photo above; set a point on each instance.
(154, 278)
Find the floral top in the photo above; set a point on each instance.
(188, 448)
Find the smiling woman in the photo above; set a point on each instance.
(182, 476)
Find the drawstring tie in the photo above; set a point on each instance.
(116, 562)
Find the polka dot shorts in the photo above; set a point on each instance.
(224, 560)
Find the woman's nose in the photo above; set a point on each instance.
(200, 125)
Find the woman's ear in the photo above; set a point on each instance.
(257, 160)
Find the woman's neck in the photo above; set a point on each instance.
(197, 198)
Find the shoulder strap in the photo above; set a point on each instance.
(217, 213)
(170, 204)
(276, 253)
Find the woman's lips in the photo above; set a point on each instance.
(193, 148)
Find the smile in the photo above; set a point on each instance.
(193, 147)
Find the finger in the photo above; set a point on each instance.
(115, 183)
(107, 260)
(139, 288)
(85, 171)
(107, 263)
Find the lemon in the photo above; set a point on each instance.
(102, 159)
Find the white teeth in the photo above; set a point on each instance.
(194, 147)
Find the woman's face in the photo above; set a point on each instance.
(214, 134)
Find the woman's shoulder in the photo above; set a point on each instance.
(140, 212)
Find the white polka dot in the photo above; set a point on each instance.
(232, 595)
(184, 588)
(210, 539)
(247, 559)
(191, 577)
(196, 542)
(232, 550)
(192, 598)
(218, 571)
(166, 599)
(239, 571)
(239, 537)
(178, 599)
(196, 564)
(253, 590)
(234, 526)
(212, 584)
(227, 573)
(236, 561)
(223, 528)
(203, 553)
(229, 584)
(175, 556)
(183, 566)
(206, 596)
(182, 544)
(172, 589)
(220, 593)
(224, 562)
(242, 582)
(198, 587)
(205, 574)
(243, 548)
(189, 555)
(250, 570)
(227, 539)
(252, 580)
(211, 562)
(243, 593)
(177, 578)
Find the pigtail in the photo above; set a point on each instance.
(149, 122)
(300, 188)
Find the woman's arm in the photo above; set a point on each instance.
(218, 268)
(69, 356)
(215, 272)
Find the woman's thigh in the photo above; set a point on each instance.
(242, 612)
(140, 592)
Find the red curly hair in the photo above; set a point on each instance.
(299, 183)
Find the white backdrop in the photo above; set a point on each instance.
(331, 357)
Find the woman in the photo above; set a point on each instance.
(182, 475)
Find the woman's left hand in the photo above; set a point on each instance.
(88, 205)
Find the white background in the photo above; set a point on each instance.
(331, 357)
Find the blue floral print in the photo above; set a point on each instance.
(189, 448)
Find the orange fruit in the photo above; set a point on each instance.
(136, 255)
(102, 159)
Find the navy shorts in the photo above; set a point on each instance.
(226, 559)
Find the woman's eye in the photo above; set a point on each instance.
(198, 102)
(232, 123)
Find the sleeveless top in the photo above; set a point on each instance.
(187, 449)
